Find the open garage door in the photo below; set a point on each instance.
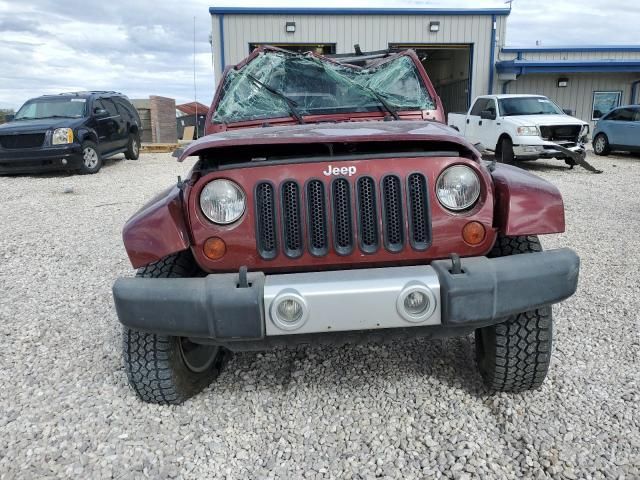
(319, 48)
(449, 67)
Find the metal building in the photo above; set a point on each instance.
(463, 50)
(457, 45)
(588, 80)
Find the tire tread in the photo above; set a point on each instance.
(153, 363)
(514, 356)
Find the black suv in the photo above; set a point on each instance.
(70, 131)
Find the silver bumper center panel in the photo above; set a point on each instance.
(352, 300)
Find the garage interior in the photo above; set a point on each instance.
(319, 48)
(449, 68)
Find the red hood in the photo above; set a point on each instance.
(393, 131)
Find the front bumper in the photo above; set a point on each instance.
(548, 150)
(44, 159)
(217, 309)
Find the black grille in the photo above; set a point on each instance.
(392, 213)
(342, 223)
(291, 225)
(419, 225)
(317, 218)
(367, 215)
(266, 221)
(28, 140)
(561, 132)
(325, 218)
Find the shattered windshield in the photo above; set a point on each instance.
(281, 84)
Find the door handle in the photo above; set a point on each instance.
(467, 121)
(480, 122)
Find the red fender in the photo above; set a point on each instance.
(158, 229)
(525, 203)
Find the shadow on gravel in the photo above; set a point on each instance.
(450, 362)
(538, 165)
(106, 164)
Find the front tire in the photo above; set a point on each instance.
(601, 145)
(514, 356)
(91, 159)
(133, 147)
(504, 152)
(163, 369)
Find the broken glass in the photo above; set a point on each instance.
(316, 86)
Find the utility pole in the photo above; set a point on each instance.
(195, 85)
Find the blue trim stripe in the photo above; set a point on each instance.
(223, 63)
(355, 11)
(574, 48)
(522, 67)
(471, 53)
(492, 54)
(634, 92)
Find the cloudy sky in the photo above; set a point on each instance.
(143, 47)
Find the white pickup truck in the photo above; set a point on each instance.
(522, 127)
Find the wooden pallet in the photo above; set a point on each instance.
(158, 147)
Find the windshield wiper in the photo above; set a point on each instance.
(382, 101)
(291, 103)
(48, 116)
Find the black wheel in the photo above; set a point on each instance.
(133, 147)
(514, 356)
(601, 145)
(164, 369)
(504, 151)
(91, 159)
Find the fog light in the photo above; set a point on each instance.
(64, 161)
(416, 302)
(289, 310)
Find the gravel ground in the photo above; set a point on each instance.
(408, 410)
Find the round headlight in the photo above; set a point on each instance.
(458, 187)
(222, 201)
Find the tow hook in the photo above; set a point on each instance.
(243, 282)
(456, 265)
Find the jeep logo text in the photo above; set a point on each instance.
(350, 171)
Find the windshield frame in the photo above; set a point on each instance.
(558, 111)
(434, 113)
(82, 100)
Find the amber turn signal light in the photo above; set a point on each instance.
(214, 248)
(473, 233)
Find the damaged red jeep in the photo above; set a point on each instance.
(331, 204)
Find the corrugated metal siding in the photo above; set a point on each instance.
(578, 96)
(372, 32)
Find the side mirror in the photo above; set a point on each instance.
(487, 115)
(100, 112)
(568, 111)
